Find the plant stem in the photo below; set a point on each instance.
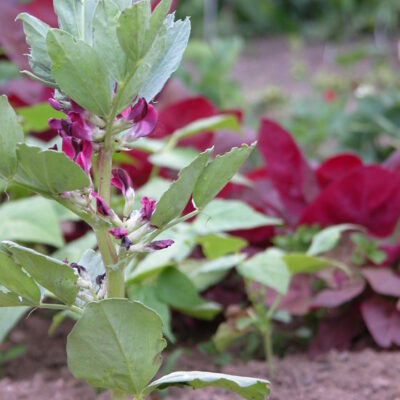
(61, 307)
(115, 278)
(267, 338)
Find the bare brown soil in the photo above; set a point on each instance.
(42, 373)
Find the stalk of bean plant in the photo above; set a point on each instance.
(106, 62)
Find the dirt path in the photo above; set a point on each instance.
(42, 373)
(274, 62)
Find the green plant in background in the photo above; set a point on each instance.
(315, 19)
(207, 69)
(106, 63)
(273, 270)
(366, 250)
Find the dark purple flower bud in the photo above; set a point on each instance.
(101, 205)
(121, 180)
(84, 157)
(118, 233)
(78, 126)
(56, 124)
(148, 207)
(100, 279)
(75, 107)
(78, 267)
(55, 104)
(146, 125)
(65, 261)
(160, 244)
(126, 243)
(139, 111)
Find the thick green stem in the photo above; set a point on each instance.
(115, 278)
(267, 338)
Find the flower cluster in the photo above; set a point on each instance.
(137, 224)
(81, 131)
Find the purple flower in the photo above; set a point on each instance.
(78, 267)
(148, 207)
(100, 279)
(79, 151)
(144, 118)
(160, 244)
(101, 205)
(121, 180)
(55, 104)
(118, 233)
(126, 243)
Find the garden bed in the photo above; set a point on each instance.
(42, 373)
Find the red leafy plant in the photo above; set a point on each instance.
(341, 190)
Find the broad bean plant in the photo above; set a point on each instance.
(106, 62)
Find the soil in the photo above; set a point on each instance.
(271, 62)
(41, 373)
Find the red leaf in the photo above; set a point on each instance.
(383, 281)
(336, 297)
(383, 321)
(287, 168)
(180, 114)
(336, 167)
(297, 301)
(337, 332)
(11, 32)
(368, 196)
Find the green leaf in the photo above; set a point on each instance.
(10, 134)
(179, 292)
(52, 274)
(267, 268)
(80, 72)
(229, 215)
(156, 23)
(248, 388)
(8, 318)
(76, 17)
(211, 124)
(48, 171)
(35, 118)
(105, 40)
(328, 238)
(218, 173)
(205, 274)
(215, 246)
(31, 220)
(10, 299)
(36, 32)
(176, 158)
(175, 199)
(116, 345)
(300, 263)
(155, 262)
(14, 279)
(164, 58)
(147, 294)
(122, 4)
(74, 250)
(226, 335)
(132, 26)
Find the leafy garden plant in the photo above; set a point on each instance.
(268, 276)
(106, 62)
